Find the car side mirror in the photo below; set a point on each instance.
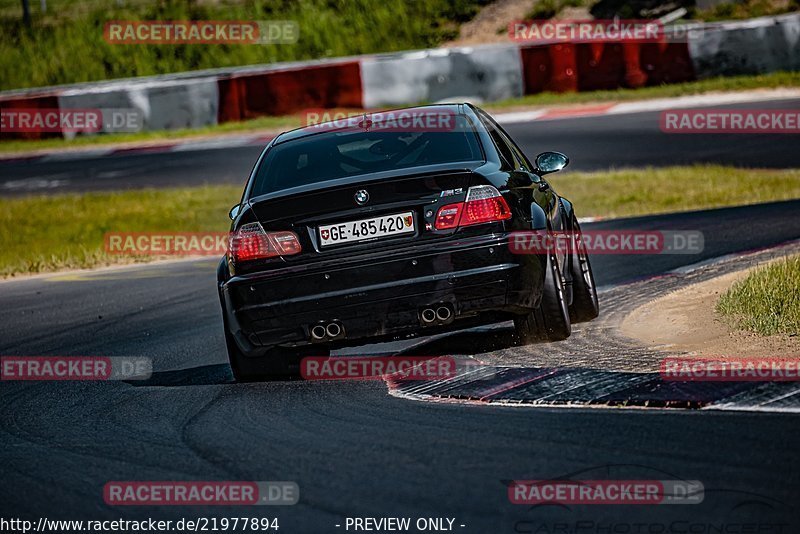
(548, 162)
(234, 211)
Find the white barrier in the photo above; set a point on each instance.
(753, 46)
(483, 73)
(161, 105)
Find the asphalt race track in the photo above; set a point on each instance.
(354, 449)
(593, 143)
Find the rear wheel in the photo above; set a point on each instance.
(550, 321)
(279, 363)
(585, 306)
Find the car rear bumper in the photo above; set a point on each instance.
(376, 296)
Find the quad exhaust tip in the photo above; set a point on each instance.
(333, 330)
(326, 331)
(443, 313)
(318, 332)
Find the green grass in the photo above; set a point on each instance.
(546, 9)
(67, 231)
(767, 301)
(49, 233)
(629, 192)
(67, 44)
(736, 83)
(277, 124)
(745, 9)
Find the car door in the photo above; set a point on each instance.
(542, 193)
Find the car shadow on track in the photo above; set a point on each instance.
(468, 342)
(206, 375)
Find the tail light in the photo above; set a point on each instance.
(251, 242)
(483, 204)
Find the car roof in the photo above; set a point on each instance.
(331, 126)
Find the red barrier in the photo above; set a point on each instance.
(536, 68)
(558, 67)
(284, 92)
(634, 75)
(49, 101)
(549, 68)
(666, 63)
(566, 67)
(599, 66)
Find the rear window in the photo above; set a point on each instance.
(331, 155)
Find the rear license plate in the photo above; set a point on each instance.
(366, 229)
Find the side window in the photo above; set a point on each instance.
(510, 151)
(518, 154)
(505, 151)
(519, 158)
(523, 161)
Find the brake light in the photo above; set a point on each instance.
(251, 242)
(483, 204)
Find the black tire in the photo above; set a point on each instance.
(550, 321)
(278, 364)
(585, 306)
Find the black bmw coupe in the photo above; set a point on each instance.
(391, 225)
